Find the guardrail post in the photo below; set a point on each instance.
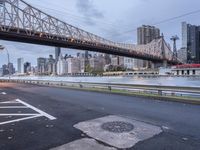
(160, 92)
(173, 94)
(81, 86)
(109, 88)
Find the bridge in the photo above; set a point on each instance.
(21, 22)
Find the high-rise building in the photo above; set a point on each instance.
(191, 42)
(5, 69)
(182, 55)
(146, 34)
(62, 67)
(11, 68)
(8, 69)
(20, 65)
(184, 34)
(82, 65)
(86, 63)
(1, 72)
(74, 65)
(51, 65)
(57, 53)
(42, 65)
(27, 67)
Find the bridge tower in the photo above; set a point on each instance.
(174, 39)
(164, 64)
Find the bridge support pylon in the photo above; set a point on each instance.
(165, 63)
(152, 65)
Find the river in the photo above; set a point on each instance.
(165, 81)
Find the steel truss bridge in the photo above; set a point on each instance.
(21, 22)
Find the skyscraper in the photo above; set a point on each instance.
(62, 66)
(191, 42)
(20, 65)
(5, 69)
(182, 55)
(146, 34)
(51, 65)
(27, 67)
(42, 65)
(1, 72)
(57, 53)
(8, 69)
(11, 68)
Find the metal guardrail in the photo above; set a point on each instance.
(148, 89)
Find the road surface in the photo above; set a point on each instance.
(38, 118)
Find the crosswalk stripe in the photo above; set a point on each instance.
(36, 109)
(21, 119)
(8, 107)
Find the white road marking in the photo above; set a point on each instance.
(3, 93)
(165, 127)
(36, 109)
(26, 116)
(9, 102)
(19, 114)
(7, 107)
(21, 119)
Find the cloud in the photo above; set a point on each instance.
(107, 18)
(89, 11)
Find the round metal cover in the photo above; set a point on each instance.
(117, 126)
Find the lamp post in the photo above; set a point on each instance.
(4, 48)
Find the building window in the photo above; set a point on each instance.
(188, 72)
(182, 72)
(193, 72)
(178, 72)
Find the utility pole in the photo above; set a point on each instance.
(174, 39)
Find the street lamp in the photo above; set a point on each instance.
(4, 48)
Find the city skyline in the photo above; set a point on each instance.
(99, 74)
(96, 18)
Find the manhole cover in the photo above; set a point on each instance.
(117, 126)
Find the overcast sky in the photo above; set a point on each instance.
(112, 19)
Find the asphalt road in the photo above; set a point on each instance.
(180, 122)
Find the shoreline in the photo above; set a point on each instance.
(165, 93)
